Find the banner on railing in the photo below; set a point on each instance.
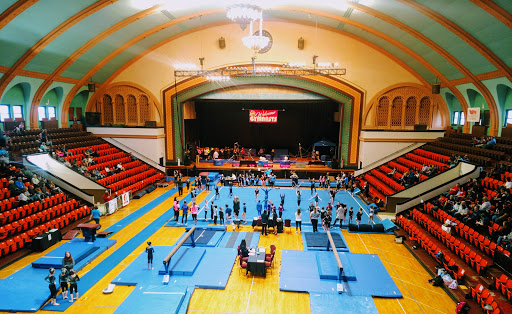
(126, 198)
(262, 116)
(111, 206)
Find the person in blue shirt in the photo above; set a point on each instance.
(244, 213)
(282, 198)
(150, 250)
(228, 213)
(4, 157)
(259, 207)
(95, 215)
(20, 183)
(184, 209)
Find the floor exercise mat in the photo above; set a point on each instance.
(327, 302)
(201, 237)
(319, 239)
(154, 299)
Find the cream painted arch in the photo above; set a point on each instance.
(362, 61)
(94, 99)
(445, 113)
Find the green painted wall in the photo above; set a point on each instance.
(79, 101)
(14, 96)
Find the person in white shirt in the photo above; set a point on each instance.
(23, 198)
(215, 155)
(508, 184)
(298, 220)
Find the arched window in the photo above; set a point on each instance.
(424, 112)
(119, 105)
(382, 111)
(131, 103)
(144, 108)
(108, 113)
(396, 111)
(410, 112)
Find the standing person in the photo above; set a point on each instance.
(95, 214)
(244, 214)
(274, 220)
(231, 188)
(73, 278)
(214, 213)
(282, 198)
(211, 210)
(316, 197)
(359, 215)
(370, 215)
(259, 207)
(312, 186)
(63, 281)
(350, 215)
(208, 183)
(314, 219)
(150, 250)
(339, 216)
(298, 220)
(184, 212)
(281, 209)
(264, 222)
(228, 214)
(298, 197)
(53, 289)
(256, 193)
(176, 206)
(217, 194)
(188, 184)
(194, 208)
(266, 195)
(352, 188)
(327, 221)
(180, 187)
(221, 215)
(236, 206)
(205, 209)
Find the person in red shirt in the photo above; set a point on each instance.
(107, 197)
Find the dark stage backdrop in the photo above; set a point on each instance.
(221, 123)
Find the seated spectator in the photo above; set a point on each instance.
(87, 174)
(491, 143)
(15, 190)
(119, 168)
(67, 164)
(390, 174)
(82, 169)
(46, 192)
(108, 171)
(4, 157)
(43, 148)
(425, 169)
(132, 158)
(53, 188)
(508, 184)
(20, 183)
(27, 172)
(23, 197)
(97, 174)
(65, 151)
(35, 180)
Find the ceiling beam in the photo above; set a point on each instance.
(445, 54)
(47, 39)
(495, 10)
(14, 10)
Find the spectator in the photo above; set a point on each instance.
(23, 197)
(4, 157)
(20, 183)
(107, 197)
(15, 190)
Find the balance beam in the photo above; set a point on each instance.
(333, 247)
(167, 260)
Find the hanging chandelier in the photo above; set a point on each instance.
(243, 13)
(256, 41)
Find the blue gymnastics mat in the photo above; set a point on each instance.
(233, 239)
(319, 239)
(201, 237)
(388, 225)
(212, 271)
(154, 299)
(299, 273)
(343, 303)
(328, 269)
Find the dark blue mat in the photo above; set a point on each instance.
(319, 239)
(201, 237)
(154, 299)
(342, 303)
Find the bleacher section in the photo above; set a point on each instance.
(382, 184)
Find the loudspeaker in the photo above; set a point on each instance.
(91, 87)
(436, 88)
(300, 44)
(365, 228)
(150, 124)
(222, 43)
(378, 228)
(353, 227)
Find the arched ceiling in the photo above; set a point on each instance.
(455, 41)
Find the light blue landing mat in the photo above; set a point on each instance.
(341, 303)
(154, 299)
(82, 252)
(229, 237)
(299, 272)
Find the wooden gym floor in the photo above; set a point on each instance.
(248, 294)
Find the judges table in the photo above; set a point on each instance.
(256, 263)
(89, 231)
(46, 240)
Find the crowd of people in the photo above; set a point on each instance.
(29, 187)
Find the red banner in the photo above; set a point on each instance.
(262, 116)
